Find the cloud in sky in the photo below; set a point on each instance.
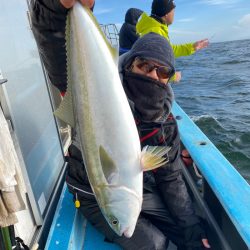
(219, 2)
(244, 22)
(102, 11)
(185, 20)
(241, 28)
(183, 32)
(230, 18)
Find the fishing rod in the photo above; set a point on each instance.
(211, 37)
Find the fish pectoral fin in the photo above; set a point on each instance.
(109, 168)
(65, 111)
(154, 157)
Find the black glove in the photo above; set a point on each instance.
(193, 236)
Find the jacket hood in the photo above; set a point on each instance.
(122, 64)
(147, 105)
(132, 15)
(153, 47)
(148, 24)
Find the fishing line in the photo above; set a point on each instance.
(211, 37)
(191, 60)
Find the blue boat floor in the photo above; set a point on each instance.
(70, 230)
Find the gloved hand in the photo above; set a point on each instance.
(69, 3)
(201, 44)
(195, 238)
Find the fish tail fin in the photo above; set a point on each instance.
(152, 157)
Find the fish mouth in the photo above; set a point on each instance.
(125, 209)
(127, 233)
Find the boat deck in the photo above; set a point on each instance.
(70, 230)
(222, 203)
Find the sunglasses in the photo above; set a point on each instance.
(163, 72)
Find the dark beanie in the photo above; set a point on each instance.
(162, 7)
(151, 46)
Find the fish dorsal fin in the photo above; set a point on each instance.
(65, 112)
(113, 51)
(109, 168)
(152, 157)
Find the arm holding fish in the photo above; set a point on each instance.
(172, 187)
(48, 24)
(175, 195)
(169, 176)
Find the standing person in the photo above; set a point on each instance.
(127, 34)
(162, 15)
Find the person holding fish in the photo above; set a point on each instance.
(166, 212)
(145, 71)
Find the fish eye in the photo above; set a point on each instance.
(114, 222)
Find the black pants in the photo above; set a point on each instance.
(154, 228)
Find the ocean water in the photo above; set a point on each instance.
(215, 93)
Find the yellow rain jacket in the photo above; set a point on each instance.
(147, 24)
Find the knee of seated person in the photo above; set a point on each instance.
(154, 242)
(158, 242)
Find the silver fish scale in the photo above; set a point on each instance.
(105, 121)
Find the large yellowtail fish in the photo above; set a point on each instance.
(96, 105)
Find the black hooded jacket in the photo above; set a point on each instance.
(127, 34)
(168, 178)
(48, 19)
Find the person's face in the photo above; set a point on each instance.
(152, 69)
(169, 18)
